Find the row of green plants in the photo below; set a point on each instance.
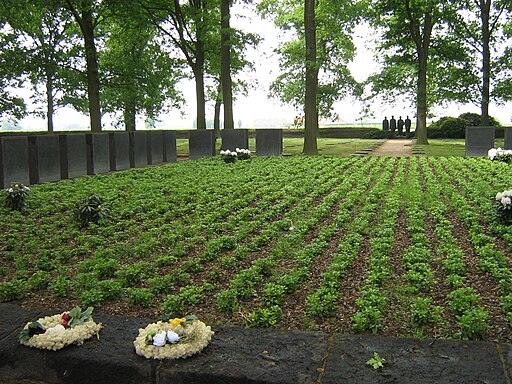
(245, 238)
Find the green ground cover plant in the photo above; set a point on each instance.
(393, 246)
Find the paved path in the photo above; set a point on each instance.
(395, 147)
(239, 356)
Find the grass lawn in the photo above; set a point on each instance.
(326, 146)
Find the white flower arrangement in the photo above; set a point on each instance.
(243, 154)
(178, 338)
(504, 205)
(229, 156)
(499, 154)
(58, 331)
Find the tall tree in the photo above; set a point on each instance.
(407, 32)
(225, 67)
(310, 105)
(334, 22)
(144, 80)
(481, 27)
(187, 25)
(87, 14)
(42, 49)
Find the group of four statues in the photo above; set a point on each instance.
(392, 125)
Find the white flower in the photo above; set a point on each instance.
(159, 339)
(499, 196)
(58, 328)
(237, 150)
(222, 152)
(506, 201)
(10, 190)
(492, 153)
(507, 193)
(172, 337)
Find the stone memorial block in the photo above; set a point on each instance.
(138, 149)
(508, 138)
(73, 155)
(170, 152)
(201, 143)
(235, 138)
(14, 161)
(44, 158)
(479, 140)
(98, 153)
(269, 142)
(155, 147)
(119, 148)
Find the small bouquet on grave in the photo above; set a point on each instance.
(229, 156)
(58, 331)
(504, 155)
(16, 196)
(243, 154)
(504, 206)
(173, 339)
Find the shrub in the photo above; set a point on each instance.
(473, 324)
(448, 128)
(475, 120)
(91, 210)
(16, 197)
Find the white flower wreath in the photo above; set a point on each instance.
(179, 338)
(58, 331)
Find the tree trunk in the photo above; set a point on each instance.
(198, 69)
(93, 78)
(310, 107)
(49, 100)
(485, 10)
(421, 113)
(216, 117)
(225, 66)
(129, 115)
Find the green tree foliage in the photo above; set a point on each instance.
(38, 47)
(187, 27)
(138, 75)
(417, 53)
(482, 29)
(335, 21)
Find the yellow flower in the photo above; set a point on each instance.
(177, 321)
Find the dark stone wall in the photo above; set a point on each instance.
(235, 138)
(201, 143)
(98, 153)
(119, 144)
(479, 140)
(269, 142)
(138, 149)
(169, 147)
(44, 158)
(14, 161)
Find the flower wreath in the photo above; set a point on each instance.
(175, 339)
(58, 331)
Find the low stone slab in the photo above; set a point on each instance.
(73, 155)
(44, 158)
(98, 153)
(269, 142)
(119, 149)
(14, 161)
(155, 147)
(256, 356)
(235, 138)
(169, 148)
(138, 149)
(201, 143)
(508, 138)
(413, 361)
(479, 140)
